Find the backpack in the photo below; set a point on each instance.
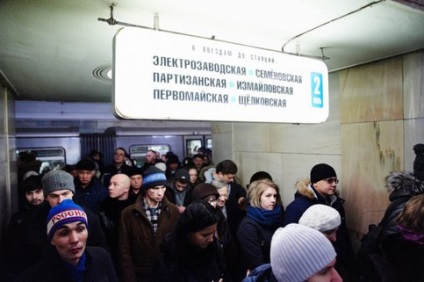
(261, 273)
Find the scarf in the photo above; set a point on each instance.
(77, 272)
(266, 217)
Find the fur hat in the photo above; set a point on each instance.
(322, 171)
(298, 252)
(152, 177)
(202, 190)
(65, 212)
(135, 171)
(321, 217)
(85, 164)
(57, 180)
(419, 161)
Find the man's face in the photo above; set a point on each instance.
(85, 176)
(327, 274)
(173, 166)
(198, 162)
(226, 177)
(150, 157)
(70, 240)
(136, 181)
(193, 175)
(119, 156)
(35, 197)
(180, 185)
(56, 197)
(155, 195)
(327, 187)
(118, 189)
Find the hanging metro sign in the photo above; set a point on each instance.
(167, 76)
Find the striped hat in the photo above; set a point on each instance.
(65, 212)
(153, 177)
(298, 252)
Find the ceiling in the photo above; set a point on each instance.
(49, 49)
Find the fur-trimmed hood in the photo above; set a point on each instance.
(402, 183)
(304, 188)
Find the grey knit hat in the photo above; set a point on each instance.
(298, 252)
(321, 217)
(57, 180)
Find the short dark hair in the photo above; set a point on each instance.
(226, 167)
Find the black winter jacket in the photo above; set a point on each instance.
(52, 269)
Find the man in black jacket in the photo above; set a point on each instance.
(71, 260)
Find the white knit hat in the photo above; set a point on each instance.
(298, 252)
(321, 217)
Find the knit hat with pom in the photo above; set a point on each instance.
(65, 212)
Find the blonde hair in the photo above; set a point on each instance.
(257, 188)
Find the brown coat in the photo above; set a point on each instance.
(138, 247)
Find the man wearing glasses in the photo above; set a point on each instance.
(321, 188)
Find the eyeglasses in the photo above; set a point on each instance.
(331, 180)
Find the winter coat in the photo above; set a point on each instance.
(234, 213)
(26, 240)
(91, 196)
(99, 267)
(307, 196)
(138, 245)
(255, 241)
(183, 262)
(110, 216)
(403, 186)
(400, 260)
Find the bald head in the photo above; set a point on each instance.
(119, 187)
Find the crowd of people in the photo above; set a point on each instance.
(193, 221)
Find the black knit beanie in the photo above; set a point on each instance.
(322, 171)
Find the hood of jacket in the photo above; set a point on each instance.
(402, 183)
(304, 189)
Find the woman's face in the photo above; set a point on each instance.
(204, 237)
(269, 198)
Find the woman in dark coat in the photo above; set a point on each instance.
(264, 216)
(191, 253)
(402, 253)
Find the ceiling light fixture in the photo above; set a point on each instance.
(103, 73)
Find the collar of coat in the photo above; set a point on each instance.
(305, 189)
